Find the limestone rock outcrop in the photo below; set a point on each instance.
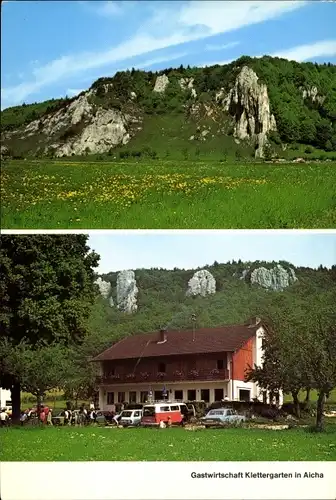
(81, 127)
(312, 93)
(188, 84)
(104, 287)
(249, 104)
(276, 279)
(202, 283)
(127, 292)
(161, 84)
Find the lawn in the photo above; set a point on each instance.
(166, 194)
(109, 444)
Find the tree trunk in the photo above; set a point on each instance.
(296, 404)
(307, 400)
(16, 402)
(319, 412)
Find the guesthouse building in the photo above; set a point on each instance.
(207, 364)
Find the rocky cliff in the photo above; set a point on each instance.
(127, 292)
(104, 287)
(83, 127)
(202, 283)
(251, 102)
(276, 279)
(162, 302)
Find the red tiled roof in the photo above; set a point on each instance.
(204, 340)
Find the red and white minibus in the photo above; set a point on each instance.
(166, 412)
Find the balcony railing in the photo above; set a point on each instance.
(165, 377)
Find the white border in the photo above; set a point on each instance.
(202, 232)
(164, 481)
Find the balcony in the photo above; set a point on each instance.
(145, 377)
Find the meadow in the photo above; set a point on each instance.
(177, 444)
(166, 194)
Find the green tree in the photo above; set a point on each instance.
(46, 293)
(300, 350)
(38, 368)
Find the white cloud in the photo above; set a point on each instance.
(309, 51)
(104, 9)
(223, 46)
(223, 17)
(181, 23)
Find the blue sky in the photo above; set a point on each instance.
(57, 48)
(188, 250)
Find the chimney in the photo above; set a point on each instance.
(162, 336)
(254, 321)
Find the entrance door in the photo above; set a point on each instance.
(132, 397)
(219, 394)
(191, 395)
(205, 395)
(244, 395)
(143, 396)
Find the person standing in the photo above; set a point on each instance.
(42, 416)
(4, 418)
(49, 417)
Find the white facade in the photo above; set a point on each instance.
(5, 398)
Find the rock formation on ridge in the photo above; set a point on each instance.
(202, 283)
(127, 292)
(276, 279)
(104, 287)
(249, 104)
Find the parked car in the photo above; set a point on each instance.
(222, 416)
(59, 418)
(130, 418)
(100, 418)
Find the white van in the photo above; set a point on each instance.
(130, 417)
(5, 399)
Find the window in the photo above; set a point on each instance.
(158, 395)
(132, 397)
(184, 409)
(110, 398)
(149, 411)
(205, 395)
(191, 395)
(164, 408)
(137, 414)
(162, 367)
(244, 395)
(219, 394)
(222, 363)
(174, 408)
(121, 397)
(143, 396)
(178, 394)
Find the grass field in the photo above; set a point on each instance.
(94, 443)
(166, 194)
